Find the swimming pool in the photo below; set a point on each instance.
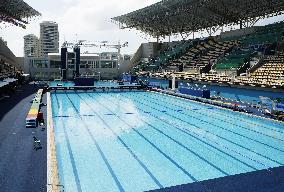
(138, 141)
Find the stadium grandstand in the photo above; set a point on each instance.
(16, 12)
(220, 58)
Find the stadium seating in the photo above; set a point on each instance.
(227, 57)
(256, 42)
(270, 74)
(6, 70)
(234, 60)
(204, 53)
(172, 51)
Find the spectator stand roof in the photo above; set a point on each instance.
(16, 12)
(178, 16)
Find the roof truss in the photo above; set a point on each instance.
(175, 16)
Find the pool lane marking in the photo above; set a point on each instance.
(217, 136)
(179, 143)
(231, 122)
(218, 144)
(222, 108)
(233, 118)
(74, 168)
(126, 146)
(212, 125)
(98, 147)
(242, 127)
(158, 149)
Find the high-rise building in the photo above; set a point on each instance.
(49, 38)
(31, 46)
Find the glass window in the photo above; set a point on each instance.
(97, 64)
(114, 64)
(39, 63)
(106, 64)
(55, 64)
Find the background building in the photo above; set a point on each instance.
(31, 46)
(49, 38)
(101, 65)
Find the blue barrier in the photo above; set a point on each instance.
(204, 93)
(84, 81)
(280, 106)
(129, 78)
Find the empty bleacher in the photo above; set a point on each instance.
(203, 53)
(258, 41)
(228, 56)
(173, 51)
(235, 59)
(271, 73)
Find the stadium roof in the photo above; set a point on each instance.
(176, 16)
(16, 12)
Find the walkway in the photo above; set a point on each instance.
(22, 169)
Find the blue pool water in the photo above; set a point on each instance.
(138, 141)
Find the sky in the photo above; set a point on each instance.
(85, 20)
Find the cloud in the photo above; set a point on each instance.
(89, 19)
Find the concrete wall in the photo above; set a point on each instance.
(48, 73)
(145, 51)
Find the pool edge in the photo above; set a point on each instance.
(53, 183)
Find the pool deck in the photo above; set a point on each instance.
(258, 181)
(53, 183)
(22, 169)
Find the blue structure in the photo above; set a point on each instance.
(129, 78)
(204, 93)
(84, 81)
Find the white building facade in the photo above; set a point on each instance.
(49, 38)
(31, 46)
(102, 66)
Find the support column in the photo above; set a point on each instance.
(77, 61)
(64, 63)
(174, 83)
